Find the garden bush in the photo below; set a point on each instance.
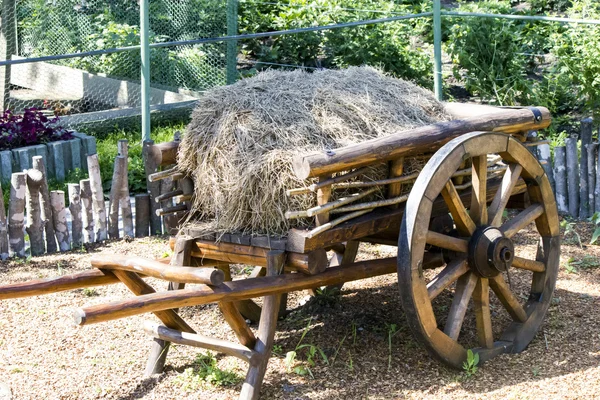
(30, 128)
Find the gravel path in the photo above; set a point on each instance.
(44, 355)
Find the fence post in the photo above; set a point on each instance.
(232, 30)
(437, 49)
(145, 61)
(8, 46)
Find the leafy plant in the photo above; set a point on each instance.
(311, 353)
(470, 364)
(206, 371)
(569, 228)
(30, 128)
(587, 262)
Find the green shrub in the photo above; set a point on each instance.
(577, 51)
(489, 54)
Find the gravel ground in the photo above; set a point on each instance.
(44, 355)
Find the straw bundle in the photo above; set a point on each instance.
(241, 140)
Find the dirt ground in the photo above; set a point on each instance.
(370, 351)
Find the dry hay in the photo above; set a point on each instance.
(242, 138)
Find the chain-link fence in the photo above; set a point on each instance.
(85, 54)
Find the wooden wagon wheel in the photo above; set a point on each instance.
(481, 255)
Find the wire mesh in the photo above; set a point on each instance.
(38, 28)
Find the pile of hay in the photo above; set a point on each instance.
(242, 138)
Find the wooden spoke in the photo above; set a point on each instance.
(524, 218)
(464, 289)
(483, 318)
(447, 242)
(509, 180)
(508, 299)
(530, 265)
(463, 221)
(454, 270)
(478, 210)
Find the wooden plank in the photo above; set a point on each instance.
(509, 180)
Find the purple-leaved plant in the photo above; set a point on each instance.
(30, 128)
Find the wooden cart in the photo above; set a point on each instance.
(450, 232)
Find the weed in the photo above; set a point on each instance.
(535, 371)
(337, 350)
(350, 362)
(59, 268)
(569, 228)
(470, 365)
(353, 334)
(595, 219)
(587, 262)
(327, 297)
(205, 371)
(90, 292)
(311, 352)
(277, 350)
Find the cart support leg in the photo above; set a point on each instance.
(182, 256)
(266, 332)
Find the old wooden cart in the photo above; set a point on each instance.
(451, 231)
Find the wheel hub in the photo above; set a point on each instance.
(490, 252)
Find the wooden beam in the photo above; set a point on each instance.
(414, 141)
(193, 339)
(156, 269)
(57, 284)
(232, 291)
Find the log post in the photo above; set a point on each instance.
(560, 178)
(116, 189)
(46, 212)
(591, 150)
(59, 213)
(35, 225)
(573, 176)
(151, 164)
(125, 201)
(16, 214)
(3, 228)
(543, 154)
(171, 221)
(75, 208)
(586, 138)
(142, 215)
(597, 188)
(87, 214)
(266, 332)
(97, 197)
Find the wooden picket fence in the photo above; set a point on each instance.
(92, 219)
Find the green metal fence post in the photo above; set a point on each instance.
(437, 48)
(145, 58)
(232, 30)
